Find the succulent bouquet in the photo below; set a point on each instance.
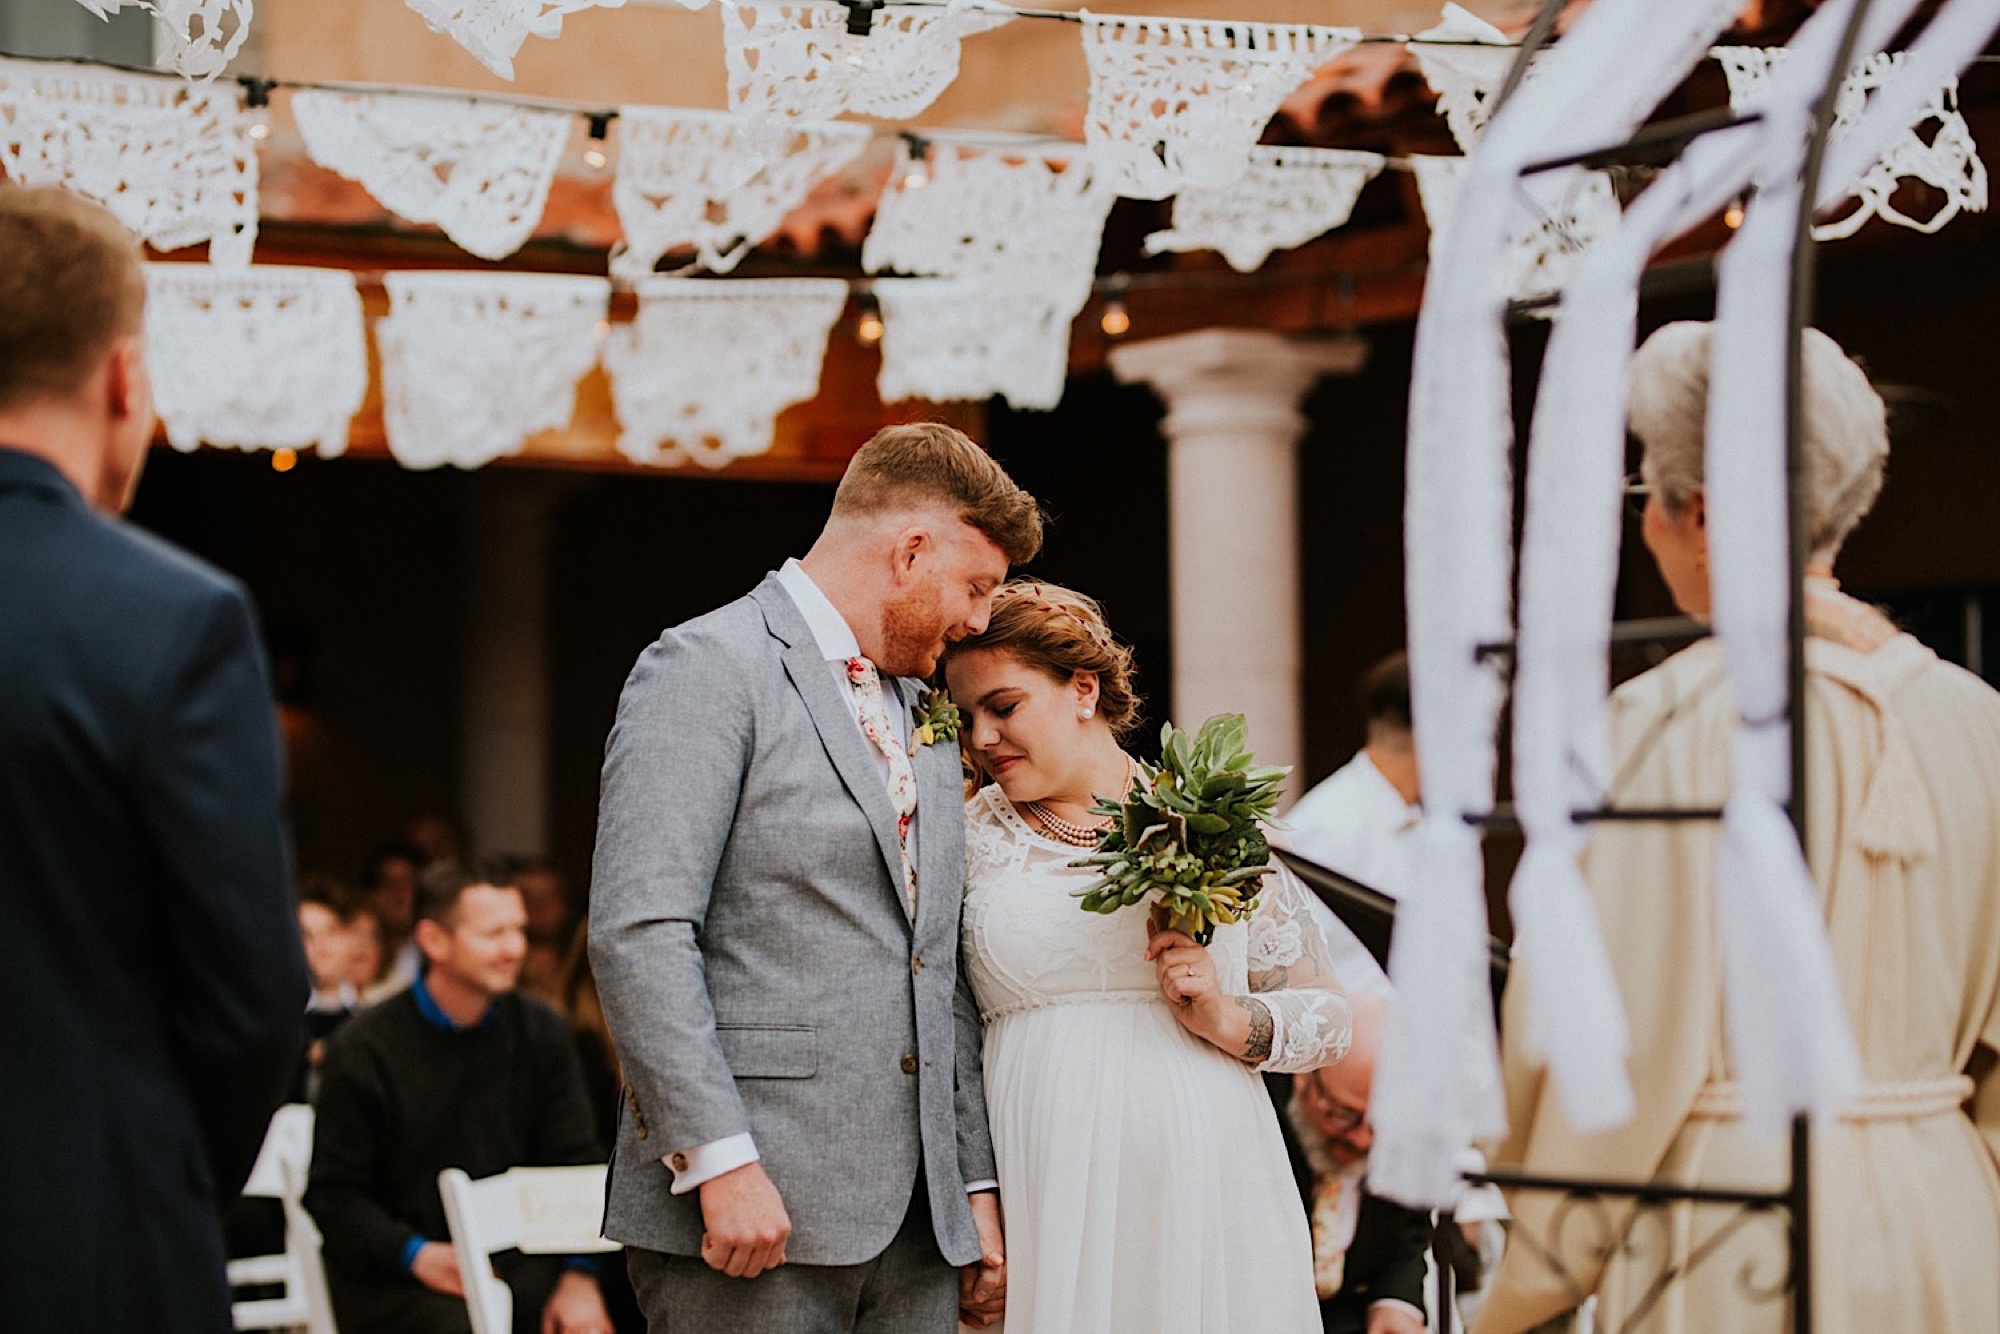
(1188, 837)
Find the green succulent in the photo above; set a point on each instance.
(1189, 835)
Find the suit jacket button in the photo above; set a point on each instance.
(917, 965)
(909, 1063)
(680, 1162)
(638, 1117)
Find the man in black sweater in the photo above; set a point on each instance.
(459, 1071)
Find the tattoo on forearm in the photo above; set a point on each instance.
(1261, 1030)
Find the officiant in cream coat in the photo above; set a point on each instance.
(1903, 837)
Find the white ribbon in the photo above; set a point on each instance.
(1569, 565)
(1430, 1097)
(1791, 1048)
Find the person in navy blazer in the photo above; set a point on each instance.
(152, 984)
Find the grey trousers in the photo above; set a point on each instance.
(907, 1289)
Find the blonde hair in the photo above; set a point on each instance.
(70, 286)
(929, 462)
(1846, 434)
(1060, 632)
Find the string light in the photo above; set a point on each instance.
(257, 102)
(918, 150)
(1732, 217)
(868, 324)
(594, 155)
(1115, 320)
(284, 460)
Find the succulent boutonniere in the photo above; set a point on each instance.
(937, 719)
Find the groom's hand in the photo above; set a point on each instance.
(982, 1285)
(745, 1220)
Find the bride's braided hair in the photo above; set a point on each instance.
(1062, 632)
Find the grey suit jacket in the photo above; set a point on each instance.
(757, 962)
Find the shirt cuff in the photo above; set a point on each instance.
(1398, 1304)
(705, 1162)
(410, 1249)
(981, 1186)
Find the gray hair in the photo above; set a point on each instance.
(1846, 428)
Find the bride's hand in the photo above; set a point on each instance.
(1185, 971)
(1234, 1024)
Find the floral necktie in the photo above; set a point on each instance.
(867, 683)
(1337, 1193)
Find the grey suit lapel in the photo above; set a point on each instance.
(833, 719)
(940, 801)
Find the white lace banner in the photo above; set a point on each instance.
(714, 181)
(1175, 102)
(1949, 161)
(493, 30)
(480, 170)
(474, 363)
(1286, 198)
(1465, 76)
(198, 37)
(704, 370)
(798, 59)
(174, 161)
(1028, 219)
(1559, 222)
(255, 358)
(946, 339)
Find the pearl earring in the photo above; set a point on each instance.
(1085, 712)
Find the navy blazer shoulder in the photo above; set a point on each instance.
(151, 969)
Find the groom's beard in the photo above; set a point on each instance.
(913, 628)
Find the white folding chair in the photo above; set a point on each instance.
(535, 1210)
(280, 1174)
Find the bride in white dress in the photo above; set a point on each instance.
(1143, 1180)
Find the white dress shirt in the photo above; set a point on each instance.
(1357, 823)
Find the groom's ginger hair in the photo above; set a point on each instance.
(929, 463)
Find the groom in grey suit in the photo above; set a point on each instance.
(774, 928)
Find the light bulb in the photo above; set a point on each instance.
(1116, 321)
(594, 157)
(284, 460)
(1732, 217)
(868, 329)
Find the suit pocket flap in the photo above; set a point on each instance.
(767, 1051)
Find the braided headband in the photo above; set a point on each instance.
(1032, 594)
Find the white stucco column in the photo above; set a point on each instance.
(503, 705)
(1233, 426)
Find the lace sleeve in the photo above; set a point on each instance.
(1292, 975)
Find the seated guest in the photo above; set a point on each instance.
(460, 1070)
(368, 956)
(551, 928)
(389, 883)
(1368, 1252)
(326, 922)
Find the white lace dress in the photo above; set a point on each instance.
(1142, 1176)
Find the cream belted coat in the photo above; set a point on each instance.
(1903, 833)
